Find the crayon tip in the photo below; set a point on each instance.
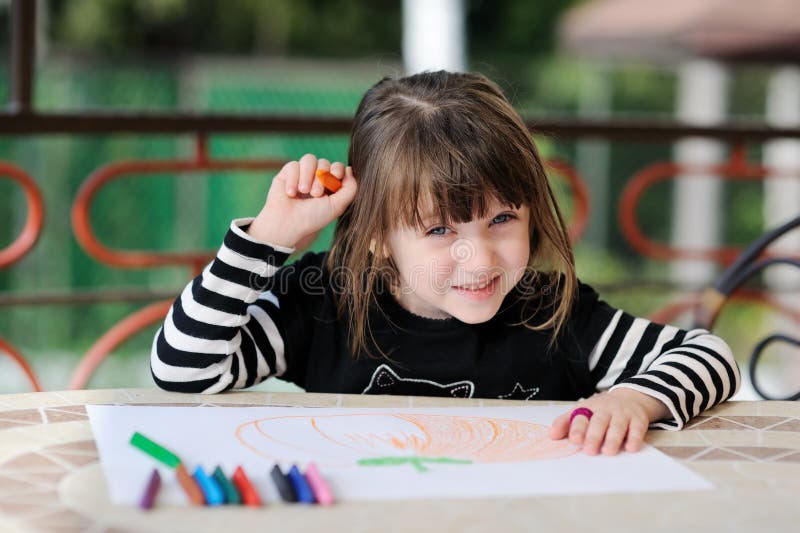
(211, 489)
(150, 491)
(319, 486)
(282, 483)
(331, 182)
(189, 486)
(301, 486)
(245, 487)
(231, 494)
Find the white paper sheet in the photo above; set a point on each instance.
(375, 454)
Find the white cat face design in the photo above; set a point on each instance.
(386, 381)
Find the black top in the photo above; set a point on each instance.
(246, 318)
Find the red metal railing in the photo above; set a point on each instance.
(580, 196)
(33, 223)
(84, 232)
(737, 168)
(22, 245)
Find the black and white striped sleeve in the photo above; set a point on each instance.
(688, 370)
(223, 331)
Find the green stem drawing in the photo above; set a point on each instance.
(416, 462)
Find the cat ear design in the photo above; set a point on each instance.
(461, 390)
(385, 377)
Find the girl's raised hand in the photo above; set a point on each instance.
(297, 207)
(620, 419)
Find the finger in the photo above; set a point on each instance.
(337, 169)
(595, 433)
(308, 166)
(560, 427)
(342, 198)
(577, 429)
(614, 436)
(636, 432)
(317, 188)
(328, 181)
(289, 174)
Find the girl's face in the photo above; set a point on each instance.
(461, 270)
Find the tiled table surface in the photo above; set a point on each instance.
(51, 480)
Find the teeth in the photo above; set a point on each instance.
(474, 287)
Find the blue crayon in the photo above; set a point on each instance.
(301, 486)
(210, 487)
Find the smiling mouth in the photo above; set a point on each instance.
(477, 286)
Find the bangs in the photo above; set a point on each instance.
(448, 147)
(453, 168)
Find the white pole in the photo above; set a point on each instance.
(782, 188)
(702, 101)
(781, 203)
(593, 155)
(434, 35)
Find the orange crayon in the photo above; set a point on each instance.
(331, 182)
(190, 486)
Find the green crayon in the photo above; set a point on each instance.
(155, 450)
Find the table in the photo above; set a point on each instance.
(51, 480)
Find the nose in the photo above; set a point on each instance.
(473, 255)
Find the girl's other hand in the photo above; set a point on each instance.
(297, 207)
(620, 420)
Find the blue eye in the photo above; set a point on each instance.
(505, 217)
(438, 230)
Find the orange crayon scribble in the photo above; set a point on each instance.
(361, 440)
(473, 438)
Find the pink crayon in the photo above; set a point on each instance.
(321, 490)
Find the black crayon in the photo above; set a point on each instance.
(282, 483)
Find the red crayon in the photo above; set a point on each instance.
(245, 488)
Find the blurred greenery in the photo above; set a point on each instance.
(292, 56)
(324, 28)
(505, 32)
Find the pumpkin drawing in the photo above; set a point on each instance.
(388, 439)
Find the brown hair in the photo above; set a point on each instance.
(453, 140)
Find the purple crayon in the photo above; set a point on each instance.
(150, 491)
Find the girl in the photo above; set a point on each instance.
(450, 274)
